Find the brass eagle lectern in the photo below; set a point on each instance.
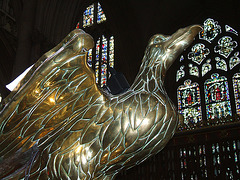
(58, 124)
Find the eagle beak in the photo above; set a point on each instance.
(179, 41)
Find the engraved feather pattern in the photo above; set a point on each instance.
(58, 124)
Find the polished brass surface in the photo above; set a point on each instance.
(58, 124)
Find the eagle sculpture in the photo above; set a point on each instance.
(58, 124)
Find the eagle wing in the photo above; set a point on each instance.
(57, 90)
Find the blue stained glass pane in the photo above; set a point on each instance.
(100, 15)
(89, 58)
(88, 16)
(103, 74)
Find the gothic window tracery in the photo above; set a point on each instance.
(221, 64)
(231, 30)
(225, 46)
(234, 60)
(214, 66)
(193, 70)
(210, 30)
(206, 67)
(198, 53)
(180, 73)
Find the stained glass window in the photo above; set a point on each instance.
(225, 46)
(103, 74)
(88, 16)
(214, 50)
(89, 58)
(78, 25)
(206, 67)
(236, 88)
(221, 64)
(100, 15)
(180, 73)
(217, 97)
(104, 61)
(181, 58)
(231, 30)
(210, 30)
(111, 51)
(102, 56)
(189, 102)
(198, 53)
(193, 70)
(97, 60)
(104, 49)
(234, 60)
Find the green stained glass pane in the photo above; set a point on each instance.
(221, 64)
(206, 67)
(100, 15)
(234, 60)
(180, 73)
(210, 30)
(225, 46)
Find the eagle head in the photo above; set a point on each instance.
(163, 50)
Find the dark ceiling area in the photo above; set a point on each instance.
(136, 21)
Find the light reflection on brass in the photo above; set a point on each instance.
(58, 124)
